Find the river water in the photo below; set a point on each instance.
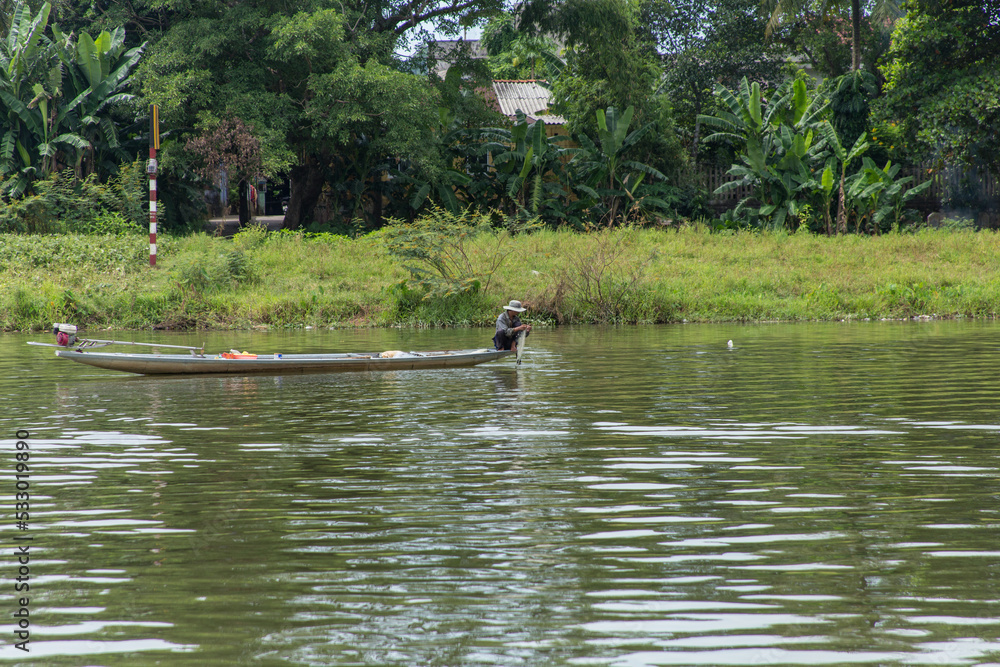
(814, 494)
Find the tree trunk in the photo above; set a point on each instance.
(244, 205)
(697, 125)
(377, 200)
(855, 35)
(305, 187)
(841, 208)
(697, 137)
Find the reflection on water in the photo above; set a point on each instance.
(816, 494)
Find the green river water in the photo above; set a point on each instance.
(814, 494)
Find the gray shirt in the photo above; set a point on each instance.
(505, 335)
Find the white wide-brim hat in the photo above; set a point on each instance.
(515, 306)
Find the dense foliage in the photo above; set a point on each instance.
(702, 43)
(63, 202)
(943, 81)
(796, 163)
(324, 99)
(63, 100)
(323, 96)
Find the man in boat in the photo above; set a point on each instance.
(509, 325)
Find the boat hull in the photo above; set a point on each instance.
(180, 364)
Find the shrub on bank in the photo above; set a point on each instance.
(63, 203)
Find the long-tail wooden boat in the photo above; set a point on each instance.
(181, 364)
(196, 361)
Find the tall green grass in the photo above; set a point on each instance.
(618, 276)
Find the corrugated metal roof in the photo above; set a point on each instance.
(528, 96)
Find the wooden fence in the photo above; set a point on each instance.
(943, 181)
(950, 179)
(711, 178)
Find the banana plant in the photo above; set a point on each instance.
(826, 194)
(26, 55)
(782, 155)
(748, 117)
(56, 97)
(24, 47)
(608, 177)
(99, 72)
(782, 187)
(741, 118)
(531, 165)
(844, 157)
(882, 194)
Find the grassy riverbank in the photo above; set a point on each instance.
(634, 276)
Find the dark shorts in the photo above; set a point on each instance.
(501, 342)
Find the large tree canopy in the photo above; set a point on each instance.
(943, 79)
(606, 65)
(707, 42)
(845, 21)
(825, 40)
(319, 81)
(388, 22)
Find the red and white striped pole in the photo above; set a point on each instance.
(152, 206)
(154, 143)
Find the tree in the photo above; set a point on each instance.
(609, 63)
(705, 42)
(517, 55)
(844, 156)
(379, 113)
(883, 12)
(298, 74)
(605, 63)
(823, 36)
(229, 147)
(850, 97)
(943, 81)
